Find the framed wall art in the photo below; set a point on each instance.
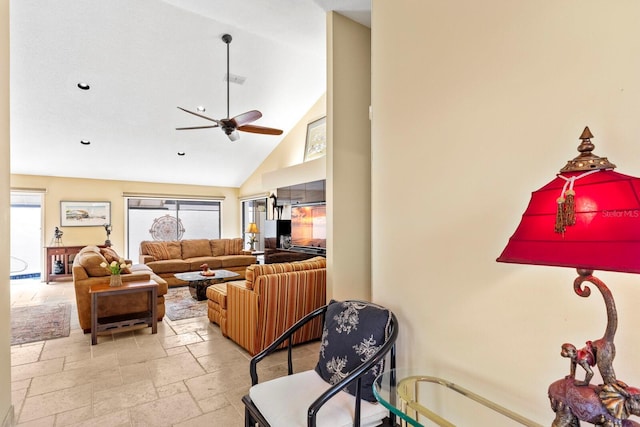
(85, 214)
(316, 144)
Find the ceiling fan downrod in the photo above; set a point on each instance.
(227, 39)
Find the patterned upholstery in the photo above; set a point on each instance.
(254, 312)
(258, 270)
(353, 332)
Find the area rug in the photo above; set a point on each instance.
(32, 323)
(179, 304)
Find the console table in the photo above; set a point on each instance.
(61, 254)
(415, 395)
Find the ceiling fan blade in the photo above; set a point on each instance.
(198, 127)
(200, 115)
(260, 129)
(244, 118)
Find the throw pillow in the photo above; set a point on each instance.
(110, 255)
(174, 247)
(218, 246)
(158, 250)
(353, 332)
(194, 248)
(236, 246)
(91, 261)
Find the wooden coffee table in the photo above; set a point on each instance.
(198, 283)
(113, 323)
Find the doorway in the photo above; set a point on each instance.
(26, 235)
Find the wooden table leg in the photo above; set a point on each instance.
(94, 318)
(154, 309)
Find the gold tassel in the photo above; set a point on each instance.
(560, 217)
(570, 208)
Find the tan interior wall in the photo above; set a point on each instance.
(6, 410)
(59, 189)
(288, 153)
(476, 105)
(348, 159)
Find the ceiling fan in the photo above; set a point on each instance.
(232, 125)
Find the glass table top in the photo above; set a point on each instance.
(197, 276)
(415, 398)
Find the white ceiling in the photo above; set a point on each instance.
(144, 58)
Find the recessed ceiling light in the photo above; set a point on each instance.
(85, 142)
(84, 86)
(201, 108)
(181, 153)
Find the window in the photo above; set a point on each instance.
(170, 219)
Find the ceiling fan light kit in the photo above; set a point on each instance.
(241, 122)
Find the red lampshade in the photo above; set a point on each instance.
(606, 233)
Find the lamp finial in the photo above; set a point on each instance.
(587, 161)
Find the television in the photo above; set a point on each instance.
(309, 227)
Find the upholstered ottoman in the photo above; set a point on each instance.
(217, 305)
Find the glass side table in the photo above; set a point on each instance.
(411, 398)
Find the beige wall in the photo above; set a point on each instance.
(58, 189)
(6, 410)
(289, 152)
(348, 159)
(476, 105)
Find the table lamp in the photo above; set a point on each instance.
(252, 229)
(587, 218)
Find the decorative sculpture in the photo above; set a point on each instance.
(274, 206)
(57, 237)
(609, 404)
(107, 228)
(573, 403)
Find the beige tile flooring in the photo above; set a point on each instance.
(187, 374)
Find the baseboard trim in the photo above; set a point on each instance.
(9, 418)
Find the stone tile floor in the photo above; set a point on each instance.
(187, 374)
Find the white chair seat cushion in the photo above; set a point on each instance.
(284, 402)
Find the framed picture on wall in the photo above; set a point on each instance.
(85, 214)
(316, 143)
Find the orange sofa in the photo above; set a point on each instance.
(166, 258)
(255, 311)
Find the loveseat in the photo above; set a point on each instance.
(255, 311)
(167, 258)
(87, 271)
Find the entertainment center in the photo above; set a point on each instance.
(304, 235)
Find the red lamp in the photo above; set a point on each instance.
(587, 218)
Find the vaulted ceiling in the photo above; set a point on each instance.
(144, 58)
